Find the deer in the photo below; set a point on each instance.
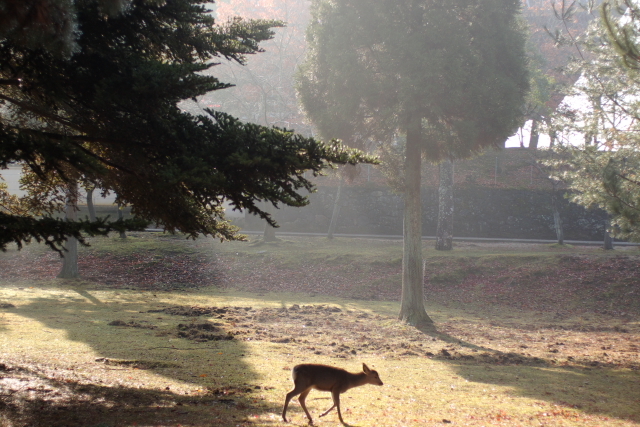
(309, 376)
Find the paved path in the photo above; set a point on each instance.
(458, 239)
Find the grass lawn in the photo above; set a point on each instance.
(163, 331)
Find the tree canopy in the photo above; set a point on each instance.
(106, 109)
(426, 58)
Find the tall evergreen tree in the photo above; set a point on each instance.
(450, 75)
(603, 171)
(105, 109)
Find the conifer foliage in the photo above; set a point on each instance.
(100, 103)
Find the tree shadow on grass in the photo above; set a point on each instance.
(559, 389)
(36, 398)
(561, 392)
(135, 345)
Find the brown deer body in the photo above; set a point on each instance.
(307, 377)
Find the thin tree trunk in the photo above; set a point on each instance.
(608, 241)
(123, 235)
(412, 309)
(269, 234)
(553, 134)
(90, 206)
(336, 209)
(557, 219)
(70, 257)
(444, 234)
(592, 136)
(535, 135)
(498, 167)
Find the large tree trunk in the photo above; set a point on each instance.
(336, 209)
(412, 309)
(444, 233)
(70, 260)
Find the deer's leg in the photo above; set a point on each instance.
(286, 404)
(336, 402)
(293, 393)
(328, 410)
(302, 399)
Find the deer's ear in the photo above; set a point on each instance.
(365, 368)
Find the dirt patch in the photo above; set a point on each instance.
(136, 364)
(131, 324)
(202, 332)
(322, 329)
